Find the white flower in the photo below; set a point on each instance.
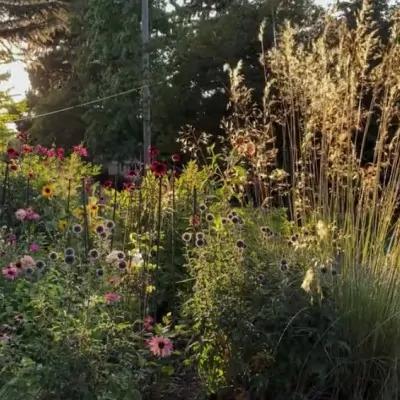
(112, 257)
(137, 259)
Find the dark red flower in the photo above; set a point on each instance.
(108, 184)
(176, 157)
(60, 153)
(159, 169)
(13, 167)
(31, 175)
(152, 151)
(23, 137)
(12, 153)
(27, 149)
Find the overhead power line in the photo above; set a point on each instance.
(88, 103)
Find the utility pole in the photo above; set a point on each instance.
(146, 101)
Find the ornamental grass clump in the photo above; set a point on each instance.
(328, 101)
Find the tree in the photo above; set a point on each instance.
(31, 21)
(55, 86)
(110, 63)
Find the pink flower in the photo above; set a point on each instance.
(41, 150)
(31, 215)
(148, 323)
(10, 272)
(160, 346)
(51, 153)
(80, 150)
(110, 298)
(20, 214)
(34, 247)
(27, 261)
(12, 238)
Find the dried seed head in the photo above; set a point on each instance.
(240, 244)
(200, 243)
(202, 207)
(199, 235)
(187, 237)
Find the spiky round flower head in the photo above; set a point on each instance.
(230, 216)
(240, 244)
(293, 238)
(53, 256)
(29, 271)
(69, 251)
(235, 219)
(99, 273)
(283, 265)
(234, 213)
(323, 269)
(77, 229)
(103, 235)
(99, 229)
(69, 259)
(199, 235)
(290, 243)
(202, 207)
(18, 265)
(187, 237)
(209, 217)
(334, 271)
(94, 254)
(260, 278)
(40, 264)
(200, 242)
(121, 255)
(122, 264)
(224, 221)
(110, 225)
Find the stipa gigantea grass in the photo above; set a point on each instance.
(329, 99)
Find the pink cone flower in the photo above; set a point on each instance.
(27, 261)
(20, 214)
(160, 346)
(10, 272)
(110, 298)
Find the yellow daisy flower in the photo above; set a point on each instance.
(62, 225)
(47, 191)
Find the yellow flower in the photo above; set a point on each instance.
(150, 288)
(62, 225)
(93, 208)
(79, 212)
(47, 191)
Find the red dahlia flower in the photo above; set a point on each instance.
(159, 169)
